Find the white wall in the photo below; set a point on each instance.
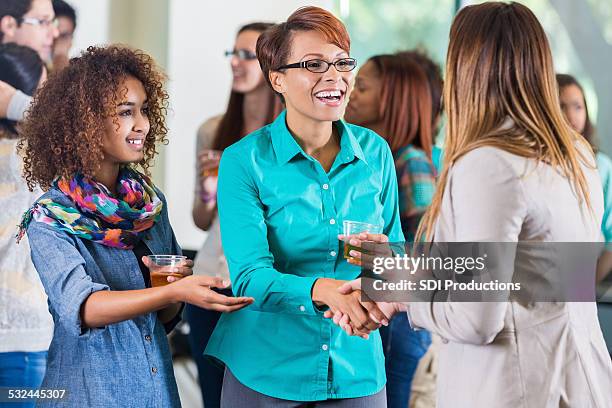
(199, 32)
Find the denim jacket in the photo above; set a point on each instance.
(125, 364)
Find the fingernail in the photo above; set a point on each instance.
(353, 241)
(225, 282)
(385, 322)
(353, 253)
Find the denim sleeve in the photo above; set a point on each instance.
(62, 272)
(245, 242)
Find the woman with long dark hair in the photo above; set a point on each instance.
(25, 324)
(252, 104)
(392, 97)
(514, 171)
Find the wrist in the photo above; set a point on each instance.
(171, 294)
(321, 289)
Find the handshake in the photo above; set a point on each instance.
(349, 308)
(356, 314)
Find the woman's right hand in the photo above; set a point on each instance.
(196, 290)
(208, 162)
(364, 316)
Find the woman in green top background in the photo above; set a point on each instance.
(283, 194)
(574, 107)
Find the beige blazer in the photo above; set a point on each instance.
(538, 355)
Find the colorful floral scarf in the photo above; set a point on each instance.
(98, 216)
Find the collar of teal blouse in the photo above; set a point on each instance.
(286, 147)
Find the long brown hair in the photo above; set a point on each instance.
(405, 102)
(436, 82)
(499, 66)
(588, 132)
(231, 127)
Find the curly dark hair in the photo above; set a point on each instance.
(62, 133)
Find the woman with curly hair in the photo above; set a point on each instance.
(92, 129)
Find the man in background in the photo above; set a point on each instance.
(45, 26)
(30, 23)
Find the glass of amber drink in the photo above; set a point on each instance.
(161, 266)
(354, 228)
(212, 169)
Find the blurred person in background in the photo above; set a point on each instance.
(26, 326)
(66, 25)
(30, 23)
(252, 104)
(392, 97)
(574, 107)
(436, 83)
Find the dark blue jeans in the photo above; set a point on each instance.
(403, 348)
(210, 373)
(22, 370)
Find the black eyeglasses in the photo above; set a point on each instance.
(320, 66)
(241, 54)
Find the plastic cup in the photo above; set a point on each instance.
(160, 265)
(354, 228)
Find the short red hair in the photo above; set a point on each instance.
(274, 45)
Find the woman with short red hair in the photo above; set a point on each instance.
(284, 192)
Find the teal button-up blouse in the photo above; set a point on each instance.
(280, 215)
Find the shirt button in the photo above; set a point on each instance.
(325, 347)
(302, 309)
(333, 253)
(154, 370)
(325, 186)
(148, 338)
(332, 221)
